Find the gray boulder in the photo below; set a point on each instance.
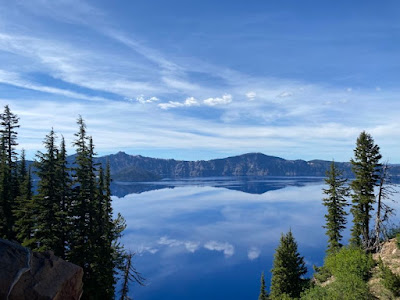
(31, 275)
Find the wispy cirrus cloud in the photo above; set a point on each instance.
(229, 109)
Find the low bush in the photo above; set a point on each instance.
(390, 280)
(398, 240)
(349, 261)
(350, 268)
(322, 274)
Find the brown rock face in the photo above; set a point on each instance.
(31, 275)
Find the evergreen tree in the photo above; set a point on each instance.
(8, 170)
(263, 293)
(24, 211)
(5, 203)
(9, 123)
(335, 203)
(94, 240)
(366, 167)
(83, 198)
(64, 199)
(288, 269)
(46, 202)
(114, 256)
(106, 252)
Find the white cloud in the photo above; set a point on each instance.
(253, 253)
(191, 101)
(14, 79)
(143, 249)
(269, 125)
(251, 95)
(192, 246)
(142, 99)
(189, 245)
(226, 248)
(170, 104)
(349, 90)
(169, 242)
(225, 99)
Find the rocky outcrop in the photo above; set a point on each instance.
(31, 275)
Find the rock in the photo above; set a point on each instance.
(31, 275)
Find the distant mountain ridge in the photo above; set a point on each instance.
(125, 167)
(136, 168)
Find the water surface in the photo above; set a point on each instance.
(210, 238)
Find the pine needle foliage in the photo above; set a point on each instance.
(288, 269)
(366, 168)
(263, 292)
(336, 203)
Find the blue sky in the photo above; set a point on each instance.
(205, 79)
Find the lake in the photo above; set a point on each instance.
(210, 238)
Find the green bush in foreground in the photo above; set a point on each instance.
(390, 280)
(398, 240)
(321, 274)
(353, 288)
(349, 261)
(350, 268)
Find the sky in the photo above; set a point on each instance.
(204, 79)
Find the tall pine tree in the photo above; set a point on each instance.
(64, 199)
(335, 203)
(83, 199)
(366, 168)
(263, 293)
(46, 202)
(94, 239)
(288, 269)
(8, 171)
(24, 211)
(5, 203)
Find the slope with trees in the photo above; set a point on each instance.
(71, 211)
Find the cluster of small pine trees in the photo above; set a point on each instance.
(370, 176)
(70, 213)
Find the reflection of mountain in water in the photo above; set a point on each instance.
(121, 189)
(250, 185)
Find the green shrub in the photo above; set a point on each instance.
(390, 280)
(350, 288)
(351, 268)
(398, 240)
(322, 274)
(317, 292)
(353, 288)
(349, 261)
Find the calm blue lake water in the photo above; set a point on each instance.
(210, 238)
